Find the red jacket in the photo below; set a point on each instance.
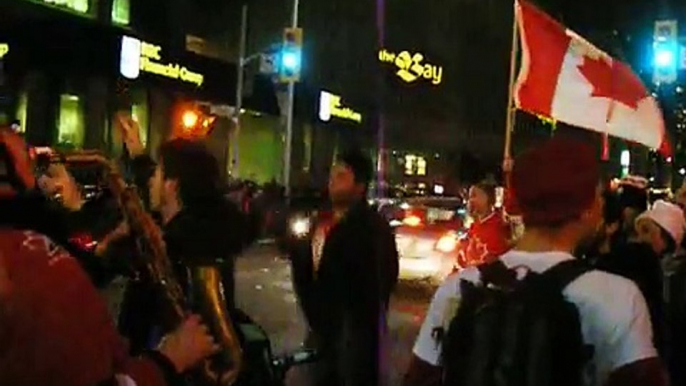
(54, 327)
(486, 240)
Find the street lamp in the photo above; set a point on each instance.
(189, 119)
(243, 61)
(291, 101)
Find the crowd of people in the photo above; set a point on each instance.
(592, 293)
(624, 275)
(62, 324)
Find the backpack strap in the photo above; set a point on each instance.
(563, 274)
(497, 273)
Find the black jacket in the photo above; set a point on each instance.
(639, 263)
(675, 295)
(211, 233)
(346, 298)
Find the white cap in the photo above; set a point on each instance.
(669, 217)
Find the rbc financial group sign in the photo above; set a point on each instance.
(138, 56)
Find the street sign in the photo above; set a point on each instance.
(269, 63)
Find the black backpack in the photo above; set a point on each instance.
(510, 332)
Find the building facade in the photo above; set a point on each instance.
(69, 66)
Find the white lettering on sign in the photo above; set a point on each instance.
(330, 105)
(411, 67)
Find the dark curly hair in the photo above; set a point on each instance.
(194, 167)
(360, 164)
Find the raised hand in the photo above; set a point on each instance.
(130, 132)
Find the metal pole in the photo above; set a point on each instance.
(511, 110)
(240, 75)
(289, 118)
(381, 94)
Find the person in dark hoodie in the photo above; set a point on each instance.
(200, 226)
(344, 275)
(619, 250)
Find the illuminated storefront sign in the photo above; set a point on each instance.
(138, 56)
(4, 49)
(330, 106)
(411, 67)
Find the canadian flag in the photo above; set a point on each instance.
(565, 77)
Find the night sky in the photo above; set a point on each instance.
(470, 39)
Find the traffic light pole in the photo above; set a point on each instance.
(289, 118)
(239, 91)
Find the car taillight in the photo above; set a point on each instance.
(447, 243)
(412, 221)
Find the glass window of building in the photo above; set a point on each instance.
(21, 113)
(121, 12)
(80, 6)
(71, 130)
(139, 113)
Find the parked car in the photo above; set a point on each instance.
(428, 231)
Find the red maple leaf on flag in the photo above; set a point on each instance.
(613, 80)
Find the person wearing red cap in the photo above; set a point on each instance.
(559, 196)
(54, 326)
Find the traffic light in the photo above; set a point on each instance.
(665, 51)
(291, 55)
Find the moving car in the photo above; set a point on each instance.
(428, 232)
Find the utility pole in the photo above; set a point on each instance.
(289, 117)
(240, 76)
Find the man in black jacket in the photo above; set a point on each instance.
(201, 228)
(344, 275)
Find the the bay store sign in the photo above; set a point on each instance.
(138, 56)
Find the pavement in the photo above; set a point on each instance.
(264, 290)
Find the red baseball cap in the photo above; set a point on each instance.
(555, 182)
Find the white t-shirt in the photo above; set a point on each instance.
(614, 316)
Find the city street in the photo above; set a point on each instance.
(265, 292)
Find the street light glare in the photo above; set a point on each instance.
(291, 60)
(664, 58)
(190, 119)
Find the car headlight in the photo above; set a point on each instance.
(300, 227)
(447, 243)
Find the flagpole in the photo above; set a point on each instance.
(516, 223)
(511, 111)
